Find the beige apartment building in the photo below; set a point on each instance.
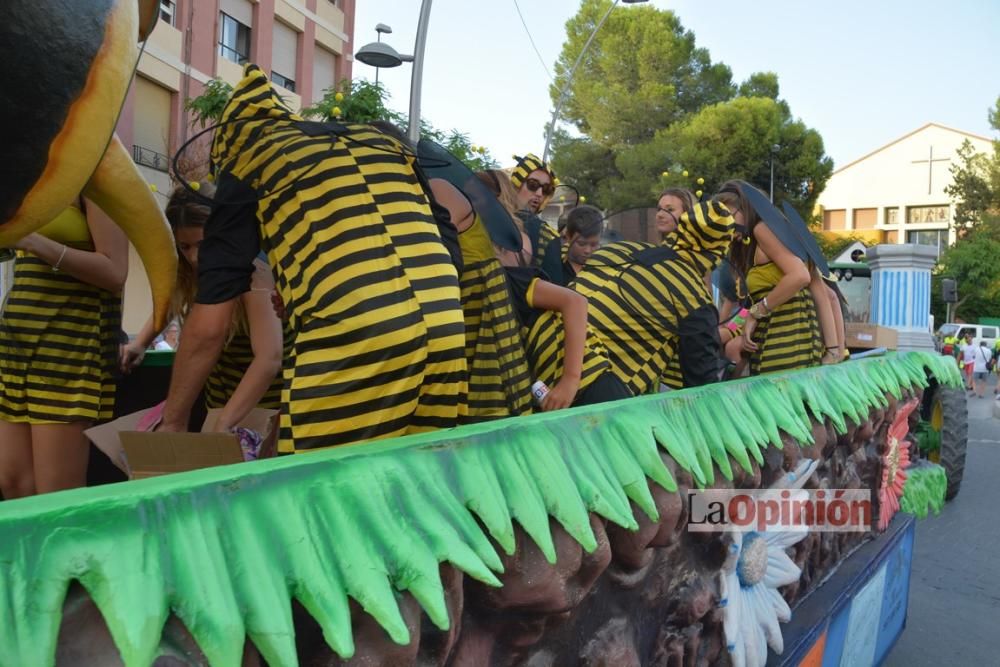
(305, 46)
(896, 193)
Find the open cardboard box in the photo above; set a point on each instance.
(143, 454)
(861, 335)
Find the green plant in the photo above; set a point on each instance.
(207, 107)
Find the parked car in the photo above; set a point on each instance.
(980, 332)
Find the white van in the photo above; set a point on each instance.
(980, 332)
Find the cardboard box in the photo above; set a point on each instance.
(867, 336)
(143, 454)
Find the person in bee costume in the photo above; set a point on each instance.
(369, 286)
(535, 182)
(649, 303)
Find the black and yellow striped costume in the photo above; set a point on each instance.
(499, 380)
(672, 378)
(648, 301)
(790, 337)
(58, 338)
(544, 335)
(236, 357)
(541, 235)
(371, 291)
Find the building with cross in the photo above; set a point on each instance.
(896, 193)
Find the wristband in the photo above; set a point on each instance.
(62, 255)
(738, 320)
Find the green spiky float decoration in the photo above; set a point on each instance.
(226, 549)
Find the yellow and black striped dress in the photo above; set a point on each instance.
(372, 293)
(541, 235)
(545, 339)
(236, 357)
(58, 338)
(637, 306)
(499, 379)
(672, 376)
(790, 337)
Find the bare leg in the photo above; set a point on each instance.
(16, 472)
(61, 452)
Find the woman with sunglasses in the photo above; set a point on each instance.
(790, 321)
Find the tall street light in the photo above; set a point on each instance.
(572, 71)
(380, 54)
(774, 153)
(381, 29)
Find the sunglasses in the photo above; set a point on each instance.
(533, 185)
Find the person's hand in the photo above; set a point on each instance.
(279, 306)
(561, 396)
(832, 356)
(130, 356)
(748, 329)
(170, 427)
(725, 334)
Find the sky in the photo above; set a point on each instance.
(860, 73)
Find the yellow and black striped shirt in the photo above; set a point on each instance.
(499, 379)
(789, 337)
(544, 334)
(371, 291)
(646, 301)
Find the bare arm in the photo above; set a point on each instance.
(573, 308)
(133, 352)
(452, 199)
(795, 273)
(106, 267)
(838, 319)
(266, 341)
(201, 342)
(795, 276)
(827, 321)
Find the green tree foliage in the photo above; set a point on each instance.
(354, 101)
(642, 72)
(207, 107)
(649, 101)
(361, 101)
(972, 260)
(760, 84)
(972, 186)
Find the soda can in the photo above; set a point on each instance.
(539, 390)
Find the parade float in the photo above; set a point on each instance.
(553, 539)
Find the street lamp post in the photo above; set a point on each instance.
(774, 152)
(380, 29)
(572, 71)
(377, 54)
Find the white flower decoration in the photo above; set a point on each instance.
(757, 565)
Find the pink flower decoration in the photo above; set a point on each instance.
(894, 464)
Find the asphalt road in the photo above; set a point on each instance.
(954, 610)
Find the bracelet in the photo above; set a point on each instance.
(766, 307)
(55, 267)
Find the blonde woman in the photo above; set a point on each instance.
(247, 374)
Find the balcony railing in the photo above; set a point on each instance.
(232, 54)
(150, 158)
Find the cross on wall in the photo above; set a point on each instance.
(930, 166)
